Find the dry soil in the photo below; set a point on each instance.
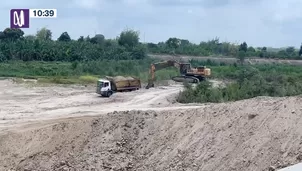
(72, 128)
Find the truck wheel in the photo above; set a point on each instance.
(109, 93)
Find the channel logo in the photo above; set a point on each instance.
(19, 18)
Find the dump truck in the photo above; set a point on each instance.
(106, 87)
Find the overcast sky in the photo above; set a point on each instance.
(272, 23)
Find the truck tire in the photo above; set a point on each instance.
(109, 93)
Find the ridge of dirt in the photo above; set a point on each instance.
(248, 135)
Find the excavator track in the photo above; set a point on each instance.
(188, 79)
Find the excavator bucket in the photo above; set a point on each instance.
(150, 84)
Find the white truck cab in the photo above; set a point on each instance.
(104, 88)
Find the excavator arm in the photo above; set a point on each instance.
(187, 74)
(158, 66)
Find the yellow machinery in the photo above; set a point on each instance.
(188, 74)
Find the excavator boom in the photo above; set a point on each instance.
(158, 66)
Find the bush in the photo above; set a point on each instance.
(250, 82)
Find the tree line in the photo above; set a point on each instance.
(40, 47)
(14, 45)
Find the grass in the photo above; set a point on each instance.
(88, 79)
(81, 72)
(248, 81)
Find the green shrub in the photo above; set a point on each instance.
(249, 82)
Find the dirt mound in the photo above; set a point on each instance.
(120, 78)
(246, 135)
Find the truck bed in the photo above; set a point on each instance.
(124, 83)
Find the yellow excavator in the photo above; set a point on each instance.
(187, 73)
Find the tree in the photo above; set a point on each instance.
(138, 52)
(111, 43)
(290, 50)
(64, 37)
(81, 39)
(151, 45)
(263, 52)
(282, 54)
(129, 38)
(12, 34)
(98, 39)
(2, 57)
(184, 42)
(300, 51)
(241, 56)
(44, 34)
(173, 42)
(2, 35)
(30, 37)
(243, 47)
(87, 39)
(251, 49)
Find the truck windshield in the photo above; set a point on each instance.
(103, 84)
(100, 84)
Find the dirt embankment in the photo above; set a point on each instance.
(247, 135)
(50, 128)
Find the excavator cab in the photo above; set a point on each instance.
(184, 68)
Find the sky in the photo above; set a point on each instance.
(271, 23)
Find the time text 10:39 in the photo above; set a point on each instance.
(43, 13)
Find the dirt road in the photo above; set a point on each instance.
(51, 128)
(229, 60)
(29, 103)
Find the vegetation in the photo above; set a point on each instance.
(86, 59)
(247, 82)
(80, 72)
(14, 45)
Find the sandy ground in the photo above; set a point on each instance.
(72, 128)
(30, 103)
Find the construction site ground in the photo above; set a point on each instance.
(72, 128)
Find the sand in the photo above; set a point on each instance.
(72, 128)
